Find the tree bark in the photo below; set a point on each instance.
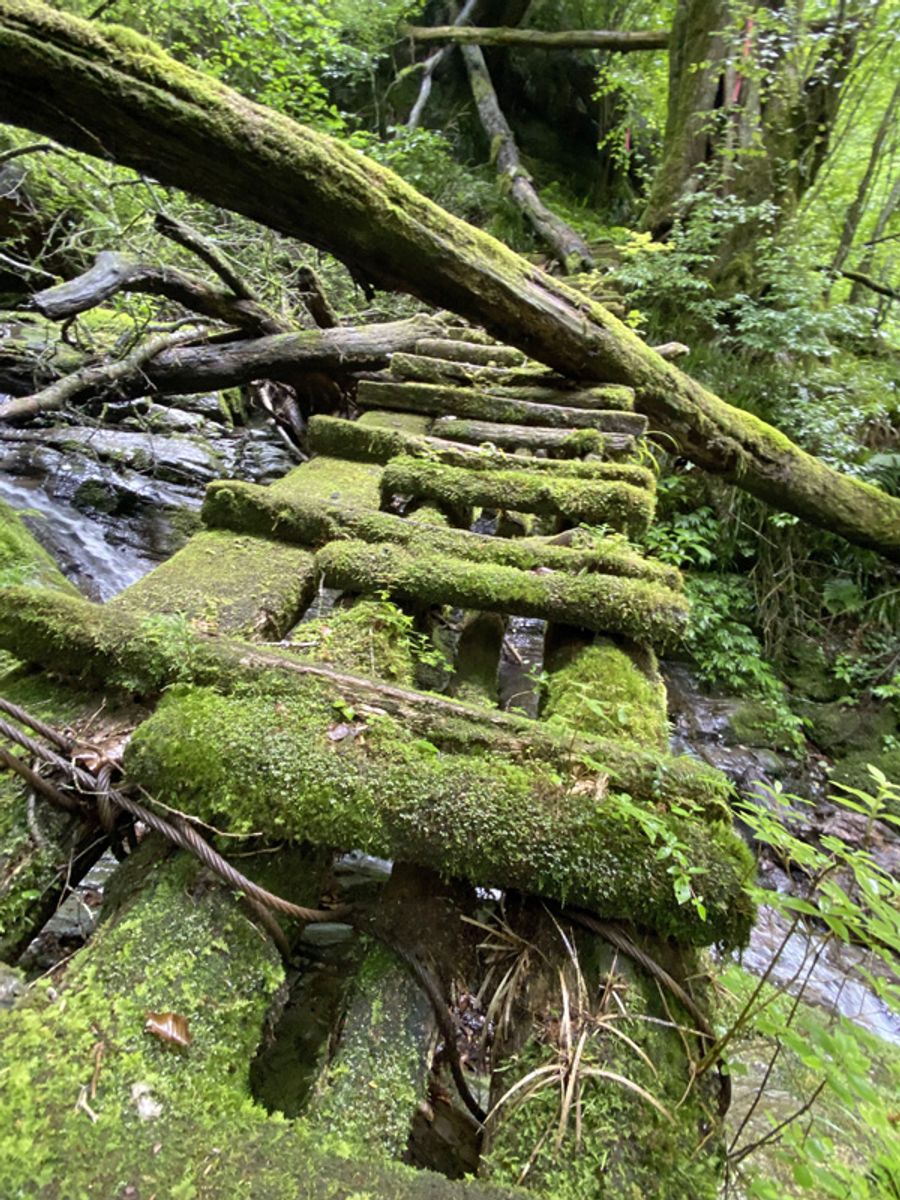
(125, 99)
(570, 250)
(113, 273)
(152, 369)
(573, 39)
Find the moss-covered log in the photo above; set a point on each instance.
(379, 1073)
(249, 508)
(488, 820)
(487, 354)
(439, 400)
(125, 97)
(635, 608)
(567, 246)
(113, 273)
(560, 442)
(378, 443)
(514, 383)
(116, 651)
(622, 506)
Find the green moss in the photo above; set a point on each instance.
(371, 638)
(23, 559)
(228, 583)
(489, 820)
(369, 1091)
(246, 507)
(635, 608)
(619, 505)
(91, 1105)
(602, 691)
(333, 479)
(113, 650)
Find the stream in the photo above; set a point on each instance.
(111, 503)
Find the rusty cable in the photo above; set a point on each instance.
(182, 834)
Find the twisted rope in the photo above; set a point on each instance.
(107, 799)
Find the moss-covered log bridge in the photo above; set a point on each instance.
(326, 741)
(307, 738)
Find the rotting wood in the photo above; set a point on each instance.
(113, 273)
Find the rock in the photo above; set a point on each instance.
(842, 729)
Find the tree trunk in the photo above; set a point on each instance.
(569, 248)
(130, 101)
(857, 205)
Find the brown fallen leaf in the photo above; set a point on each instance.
(169, 1027)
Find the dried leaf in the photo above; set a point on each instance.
(168, 1027)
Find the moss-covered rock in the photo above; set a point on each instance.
(393, 794)
(23, 559)
(335, 480)
(841, 729)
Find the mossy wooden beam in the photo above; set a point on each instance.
(559, 442)
(126, 99)
(622, 506)
(488, 820)
(250, 508)
(511, 383)
(635, 608)
(379, 1074)
(458, 350)
(117, 652)
(439, 400)
(369, 442)
(223, 582)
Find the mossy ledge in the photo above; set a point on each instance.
(635, 608)
(622, 506)
(494, 822)
(249, 508)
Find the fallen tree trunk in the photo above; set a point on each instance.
(127, 100)
(153, 369)
(568, 247)
(541, 39)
